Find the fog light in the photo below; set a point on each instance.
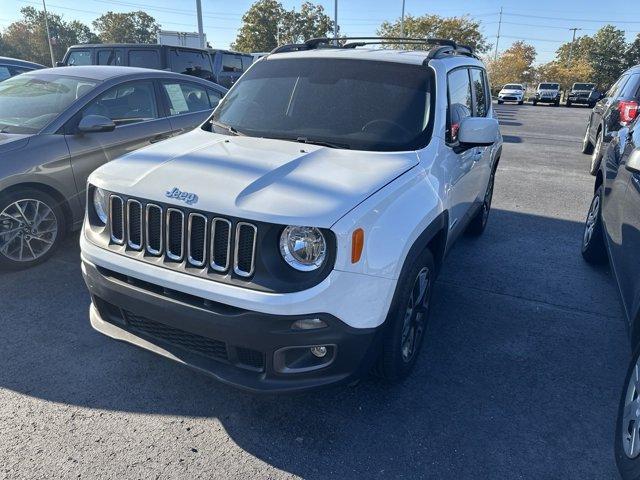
(308, 324)
(319, 351)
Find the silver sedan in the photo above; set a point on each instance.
(57, 125)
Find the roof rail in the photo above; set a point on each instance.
(442, 47)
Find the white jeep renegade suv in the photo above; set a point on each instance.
(292, 241)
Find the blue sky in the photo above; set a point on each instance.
(544, 23)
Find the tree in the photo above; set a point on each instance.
(27, 38)
(267, 23)
(605, 56)
(514, 65)
(632, 57)
(579, 51)
(463, 30)
(132, 27)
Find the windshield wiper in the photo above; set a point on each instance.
(323, 143)
(228, 128)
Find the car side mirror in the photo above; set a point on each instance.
(60, 64)
(633, 163)
(477, 132)
(96, 123)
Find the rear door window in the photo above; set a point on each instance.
(186, 97)
(460, 104)
(144, 59)
(79, 57)
(109, 57)
(231, 63)
(190, 62)
(214, 97)
(479, 85)
(4, 72)
(630, 89)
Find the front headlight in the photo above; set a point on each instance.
(100, 204)
(304, 248)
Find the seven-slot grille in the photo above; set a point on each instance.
(181, 235)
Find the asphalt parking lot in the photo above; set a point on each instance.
(519, 378)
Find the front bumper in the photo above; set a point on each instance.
(579, 100)
(243, 348)
(510, 98)
(541, 99)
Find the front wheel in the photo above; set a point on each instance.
(627, 441)
(568, 104)
(32, 225)
(407, 319)
(521, 102)
(593, 247)
(535, 102)
(587, 146)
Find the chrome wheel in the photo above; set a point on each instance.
(592, 220)
(415, 315)
(631, 415)
(28, 230)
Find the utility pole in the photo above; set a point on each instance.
(574, 30)
(402, 20)
(46, 24)
(200, 30)
(336, 29)
(495, 55)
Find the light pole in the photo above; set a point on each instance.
(46, 25)
(200, 30)
(335, 21)
(402, 20)
(573, 40)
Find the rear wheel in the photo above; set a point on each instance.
(568, 104)
(596, 156)
(32, 225)
(407, 320)
(587, 146)
(593, 247)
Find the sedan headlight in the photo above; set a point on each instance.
(304, 248)
(100, 204)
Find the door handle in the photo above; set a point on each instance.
(160, 137)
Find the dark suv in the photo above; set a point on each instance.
(583, 94)
(228, 66)
(188, 61)
(612, 231)
(617, 108)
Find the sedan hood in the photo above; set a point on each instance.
(12, 141)
(255, 178)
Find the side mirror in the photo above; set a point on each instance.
(60, 64)
(477, 132)
(633, 163)
(96, 123)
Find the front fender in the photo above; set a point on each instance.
(393, 220)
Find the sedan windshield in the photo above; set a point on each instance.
(340, 103)
(30, 102)
(513, 86)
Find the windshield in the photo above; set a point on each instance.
(513, 86)
(30, 102)
(549, 86)
(342, 103)
(583, 86)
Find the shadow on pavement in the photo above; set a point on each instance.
(519, 375)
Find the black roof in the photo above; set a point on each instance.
(131, 45)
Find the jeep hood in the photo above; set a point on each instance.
(12, 141)
(255, 178)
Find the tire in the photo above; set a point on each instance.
(24, 242)
(587, 146)
(593, 247)
(556, 103)
(478, 223)
(596, 156)
(628, 460)
(406, 324)
(535, 102)
(521, 102)
(568, 104)
(500, 102)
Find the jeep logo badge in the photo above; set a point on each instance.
(188, 198)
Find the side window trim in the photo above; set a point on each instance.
(448, 141)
